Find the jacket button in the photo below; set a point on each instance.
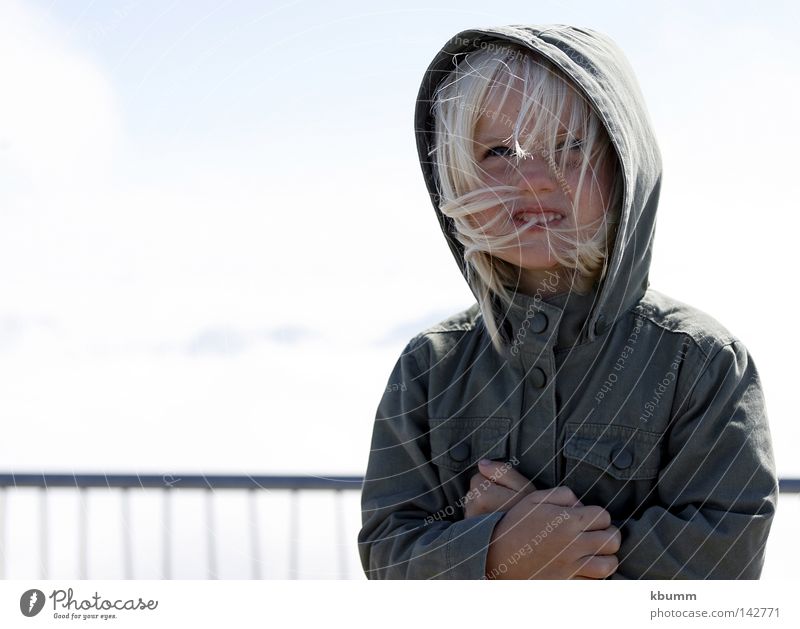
(460, 451)
(621, 457)
(538, 377)
(601, 325)
(539, 323)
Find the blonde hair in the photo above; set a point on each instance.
(459, 102)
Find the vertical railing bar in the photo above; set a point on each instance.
(83, 543)
(295, 485)
(254, 528)
(210, 534)
(340, 537)
(166, 566)
(3, 493)
(44, 559)
(293, 534)
(127, 552)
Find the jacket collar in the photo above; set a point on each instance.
(537, 322)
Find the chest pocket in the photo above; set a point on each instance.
(458, 443)
(620, 451)
(613, 466)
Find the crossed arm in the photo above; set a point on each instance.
(545, 534)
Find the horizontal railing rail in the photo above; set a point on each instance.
(172, 482)
(219, 481)
(186, 481)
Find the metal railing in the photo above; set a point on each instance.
(169, 484)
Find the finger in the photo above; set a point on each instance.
(492, 498)
(592, 518)
(475, 482)
(606, 542)
(561, 496)
(503, 473)
(598, 567)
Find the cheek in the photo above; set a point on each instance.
(598, 198)
(484, 218)
(596, 192)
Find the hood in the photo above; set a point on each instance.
(600, 70)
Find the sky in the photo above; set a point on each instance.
(215, 240)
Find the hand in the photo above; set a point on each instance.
(545, 536)
(497, 487)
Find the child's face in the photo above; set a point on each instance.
(539, 188)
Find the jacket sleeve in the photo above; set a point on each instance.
(718, 492)
(406, 533)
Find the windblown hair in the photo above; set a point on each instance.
(459, 102)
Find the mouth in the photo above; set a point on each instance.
(537, 219)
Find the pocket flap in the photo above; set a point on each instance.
(460, 442)
(623, 452)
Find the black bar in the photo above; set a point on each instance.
(789, 485)
(181, 481)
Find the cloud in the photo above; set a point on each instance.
(13, 328)
(406, 331)
(230, 340)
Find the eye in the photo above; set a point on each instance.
(575, 145)
(498, 151)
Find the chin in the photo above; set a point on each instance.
(534, 262)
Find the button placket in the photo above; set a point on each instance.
(539, 337)
(539, 322)
(538, 433)
(538, 378)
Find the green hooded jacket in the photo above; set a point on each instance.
(639, 403)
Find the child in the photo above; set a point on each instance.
(572, 423)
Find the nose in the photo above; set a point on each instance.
(533, 173)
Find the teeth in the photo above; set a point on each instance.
(538, 219)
